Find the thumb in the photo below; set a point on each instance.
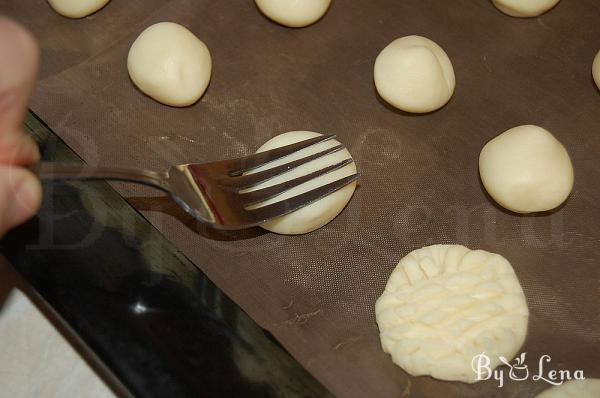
(20, 196)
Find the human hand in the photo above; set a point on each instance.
(20, 190)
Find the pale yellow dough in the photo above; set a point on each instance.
(445, 304)
(77, 8)
(293, 13)
(596, 69)
(526, 169)
(588, 388)
(170, 64)
(321, 212)
(524, 8)
(414, 74)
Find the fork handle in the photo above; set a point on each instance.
(76, 171)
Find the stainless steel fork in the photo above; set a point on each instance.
(215, 192)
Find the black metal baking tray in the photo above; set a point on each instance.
(148, 320)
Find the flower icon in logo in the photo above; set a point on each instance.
(516, 371)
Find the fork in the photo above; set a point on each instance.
(216, 192)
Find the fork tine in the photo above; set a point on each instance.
(250, 180)
(239, 166)
(260, 195)
(284, 207)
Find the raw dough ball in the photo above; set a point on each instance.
(524, 8)
(596, 69)
(77, 8)
(526, 169)
(170, 64)
(444, 304)
(316, 214)
(414, 74)
(294, 13)
(588, 388)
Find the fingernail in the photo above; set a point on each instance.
(32, 151)
(28, 195)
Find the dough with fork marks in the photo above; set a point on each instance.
(445, 304)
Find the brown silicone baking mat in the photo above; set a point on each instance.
(419, 183)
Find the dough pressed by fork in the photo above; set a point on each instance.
(77, 8)
(321, 212)
(445, 304)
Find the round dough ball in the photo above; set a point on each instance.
(170, 64)
(444, 304)
(414, 74)
(588, 388)
(294, 13)
(318, 213)
(526, 169)
(524, 8)
(77, 8)
(596, 69)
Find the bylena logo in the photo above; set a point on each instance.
(519, 371)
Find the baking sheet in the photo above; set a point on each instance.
(419, 181)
